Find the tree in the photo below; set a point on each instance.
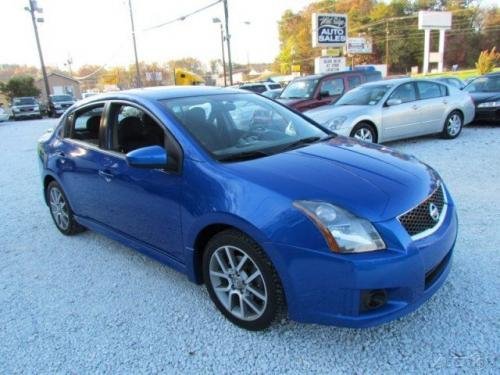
(20, 86)
(487, 61)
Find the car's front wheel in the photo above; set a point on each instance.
(453, 125)
(60, 210)
(364, 132)
(241, 281)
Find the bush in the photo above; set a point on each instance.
(487, 61)
(20, 86)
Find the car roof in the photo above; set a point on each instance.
(165, 92)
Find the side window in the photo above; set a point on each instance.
(86, 123)
(444, 90)
(429, 90)
(405, 92)
(354, 81)
(274, 86)
(132, 128)
(332, 86)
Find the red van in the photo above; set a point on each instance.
(316, 90)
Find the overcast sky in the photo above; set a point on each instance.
(98, 31)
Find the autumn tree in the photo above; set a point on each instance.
(19, 86)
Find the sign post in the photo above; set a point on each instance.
(428, 21)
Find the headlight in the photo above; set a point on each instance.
(489, 105)
(336, 122)
(343, 232)
(36, 108)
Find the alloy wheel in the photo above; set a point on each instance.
(364, 134)
(59, 208)
(454, 124)
(238, 283)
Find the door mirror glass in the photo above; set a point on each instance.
(394, 101)
(147, 157)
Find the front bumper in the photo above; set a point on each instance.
(488, 114)
(328, 288)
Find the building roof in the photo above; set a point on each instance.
(60, 75)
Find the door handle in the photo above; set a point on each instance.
(106, 175)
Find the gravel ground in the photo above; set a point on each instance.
(86, 304)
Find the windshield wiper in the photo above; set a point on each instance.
(306, 141)
(247, 155)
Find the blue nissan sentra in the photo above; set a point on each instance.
(273, 213)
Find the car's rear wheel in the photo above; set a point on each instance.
(60, 210)
(453, 125)
(241, 281)
(364, 132)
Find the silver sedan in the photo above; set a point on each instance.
(401, 108)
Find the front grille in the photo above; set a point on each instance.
(26, 109)
(419, 219)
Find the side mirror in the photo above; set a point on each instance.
(323, 94)
(147, 157)
(392, 102)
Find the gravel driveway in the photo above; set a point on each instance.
(86, 304)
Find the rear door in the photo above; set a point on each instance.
(79, 158)
(433, 105)
(402, 120)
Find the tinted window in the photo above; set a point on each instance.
(429, 90)
(132, 128)
(406, 93)
(255, 88)
(332, 86)
(274, 86)
(354, 81)
(86, 123)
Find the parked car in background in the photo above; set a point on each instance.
(485, 92)
(273, 94)
(58, 104)
(400, 108)
(453, 81)
(249, 209)
(25, 107)
(313, 91)
(260, 87)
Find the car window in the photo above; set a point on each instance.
(354, 81)
(332, 86)
(429, 90)
(299, 89)
(406, 93)
(454, 82)
(255, 88)
(85, 124)
(484, 84)
(132, 128)
(240, 124)
(274, 86)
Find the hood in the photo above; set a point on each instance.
(327, 112)
(371, 181)
(481, 97)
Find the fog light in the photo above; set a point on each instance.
(373, 299)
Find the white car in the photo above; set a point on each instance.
(395, 109)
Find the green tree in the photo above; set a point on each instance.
(20, 86)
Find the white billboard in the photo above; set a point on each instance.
(329, 30)
(434, 20)
(329, 64)
(359, 45)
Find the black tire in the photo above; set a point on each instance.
(450, 131)
(275, 307)
(364, 126)
(72, 226)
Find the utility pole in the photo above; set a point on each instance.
(69, 62)
(228, 40)
(137, 72)
(32, 8)
(387, 45)
(217, 20)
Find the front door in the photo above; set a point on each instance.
(401, 120)
(434, 104)
(141, 203)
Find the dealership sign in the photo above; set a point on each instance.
(329, 64)
(329, 30)
(359, 45)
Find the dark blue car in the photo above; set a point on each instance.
(275, 214)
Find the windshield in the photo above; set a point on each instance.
(484, 84)
(364, 95)
(61, 98)
(24, 101)
(302, 89)
(233, 127)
